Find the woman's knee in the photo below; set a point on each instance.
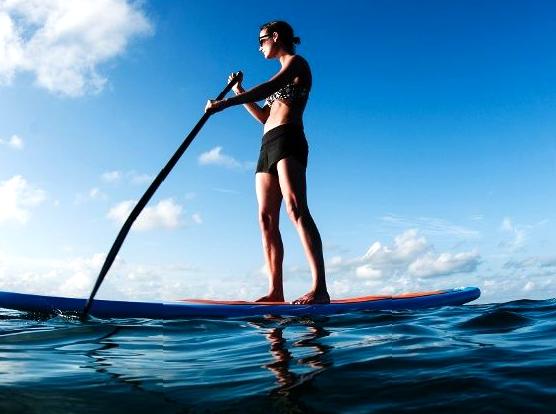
(295, 209)
(268, 221)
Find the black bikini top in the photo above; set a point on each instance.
(289, 93)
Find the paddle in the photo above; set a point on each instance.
(148, 194)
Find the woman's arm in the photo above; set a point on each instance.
(260, 114)
(286, 74)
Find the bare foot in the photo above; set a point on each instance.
(312, 298)
(271, 298)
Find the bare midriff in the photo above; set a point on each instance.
(285, 113)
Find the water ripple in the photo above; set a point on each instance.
(497, 358)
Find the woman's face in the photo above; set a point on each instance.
(267, 44)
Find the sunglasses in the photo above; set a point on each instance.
(262, 39)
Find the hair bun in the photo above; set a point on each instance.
(296, 40)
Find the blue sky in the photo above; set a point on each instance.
(431, 130)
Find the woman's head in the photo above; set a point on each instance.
(278, 33)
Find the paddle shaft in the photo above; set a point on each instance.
(147, 196)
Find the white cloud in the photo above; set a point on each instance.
(133, 177)
(93, 194)
(197, 218)
(406, 246)
(411, 263)
(139, 179)
(75, 277)
(522, 283)
(11, 50)
(534, 275)
(80, 274)
(165, 214)
(17, 197)
(531, 263)
(335, 261)
(444, 264)
(62, 42)
(431, 226)
(216, 157)
(507, 225)
(367, 272)
(111, 176)
(518, 234)
(226, 191)
(403, 263)
(96, 193)
(120, 212)
(15, 142)
(529, 286)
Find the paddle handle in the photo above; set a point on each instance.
(150, 192)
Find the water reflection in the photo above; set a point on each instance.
(284, 365)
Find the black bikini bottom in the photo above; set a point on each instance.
(287, 140)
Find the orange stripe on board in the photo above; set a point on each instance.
(360, 299)
(347, 300)
(417, 294)
(230, 302)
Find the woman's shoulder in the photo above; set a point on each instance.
(300, 65)
(300, 60)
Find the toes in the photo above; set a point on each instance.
(304, 300)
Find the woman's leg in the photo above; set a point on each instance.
(269, 198)
(291, 175)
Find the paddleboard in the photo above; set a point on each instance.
(192, 308)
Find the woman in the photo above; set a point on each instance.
(283, 158)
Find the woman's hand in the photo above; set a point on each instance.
(214, 106)
(237, 88)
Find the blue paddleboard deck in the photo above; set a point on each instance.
(191, 308)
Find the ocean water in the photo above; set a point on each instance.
(495, 358)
